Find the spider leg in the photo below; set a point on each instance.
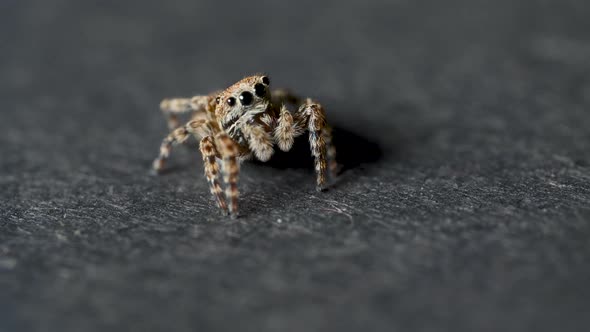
(178, 135)
(311, 116)
(259, 141)
(284, 132)
(231, 169)
(175, 106)
(331, 152)
(210, 153)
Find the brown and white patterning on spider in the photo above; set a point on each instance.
(246, 120)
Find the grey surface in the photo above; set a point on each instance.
(463, 127)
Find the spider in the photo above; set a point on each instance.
(244, 121)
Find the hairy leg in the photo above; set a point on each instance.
(175, 106)
(210, 153)
(178, 135)
(285, 132)
(259, 140)
(311, 116)
(231, 169)
(331, 152)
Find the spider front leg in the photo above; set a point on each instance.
(284, 132)
(178, 135)
(231, 169)
(259, 140)
(176, 106)
(311, 116)
(210, 153)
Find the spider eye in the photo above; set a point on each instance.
(217, 100)
(265, 80)
(246, 98)
(259, 90)
(231, 101)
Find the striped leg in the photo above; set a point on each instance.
(231, 169)
(178, 135)
(210, 153)
(331, 151)
(312, 115)
(176, 106)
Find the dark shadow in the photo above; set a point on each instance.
(352, 150)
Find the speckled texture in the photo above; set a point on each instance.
(467, 207)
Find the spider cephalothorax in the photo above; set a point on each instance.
(245, 121)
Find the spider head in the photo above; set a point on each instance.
(248, 97)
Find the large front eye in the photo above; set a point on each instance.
(260, 90)
(246, 98)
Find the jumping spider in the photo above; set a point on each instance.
(245, 121)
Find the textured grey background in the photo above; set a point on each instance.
(463, 127)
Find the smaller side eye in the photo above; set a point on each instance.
(265, 80)
(217, 100)
(259, 90)
(231, 101)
